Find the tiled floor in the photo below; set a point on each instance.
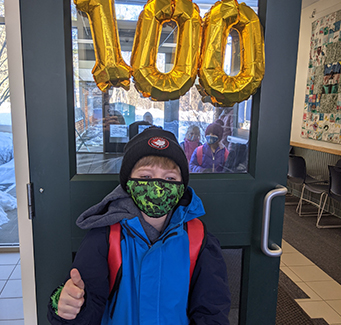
(11, 305)
(324, 292)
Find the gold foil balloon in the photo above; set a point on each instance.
(224, 89)
(110, 68)
(148, 79)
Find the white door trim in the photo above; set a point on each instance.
(16, 81)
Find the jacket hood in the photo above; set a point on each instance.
(189, 207)
(118, 205)
(115, 207)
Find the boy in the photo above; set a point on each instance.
(152, 204)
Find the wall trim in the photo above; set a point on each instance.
(316, 148)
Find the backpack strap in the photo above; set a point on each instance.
(199, 155)
(226, 154)
(197, 238)
(114, 254)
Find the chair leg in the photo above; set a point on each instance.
(320, 211)
(320, 216)
(321, 208)
(333, 206)
(309, 200)
(300, 202)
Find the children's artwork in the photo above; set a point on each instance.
(322, 109)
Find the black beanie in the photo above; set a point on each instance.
(153, 141)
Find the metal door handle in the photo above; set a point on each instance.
(276, 251)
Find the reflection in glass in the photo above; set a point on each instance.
(104, 122)
(167, 46)
(2, 8)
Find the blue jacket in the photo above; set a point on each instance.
(155, 286)
(214, 162)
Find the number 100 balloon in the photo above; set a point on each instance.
(200, 49)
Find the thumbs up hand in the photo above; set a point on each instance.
(72, 296)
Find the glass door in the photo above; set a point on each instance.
(76, 135)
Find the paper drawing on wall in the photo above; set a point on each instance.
(322, 109)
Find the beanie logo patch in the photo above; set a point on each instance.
(158, 143)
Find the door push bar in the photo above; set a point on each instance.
(276, 251)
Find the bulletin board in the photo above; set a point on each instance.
(322, 109)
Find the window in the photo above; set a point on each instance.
(104, 122)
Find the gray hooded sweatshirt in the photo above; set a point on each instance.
(115, 207)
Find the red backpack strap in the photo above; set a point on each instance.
(114, 254)
(196, 235)
(199, 155)
(226, 154)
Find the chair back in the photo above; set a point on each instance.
(338, 163)
(297, 171)
(335, 182)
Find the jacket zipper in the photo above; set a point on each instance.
(213, 158)
(129, 229)
(166, 233)
(168, 236)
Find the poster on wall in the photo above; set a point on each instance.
(322, 109)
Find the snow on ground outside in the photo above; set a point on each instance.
(7, 175)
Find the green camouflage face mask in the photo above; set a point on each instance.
(155, 197)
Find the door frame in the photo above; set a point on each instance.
(16, 81)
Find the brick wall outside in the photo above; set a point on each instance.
(79, 125)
